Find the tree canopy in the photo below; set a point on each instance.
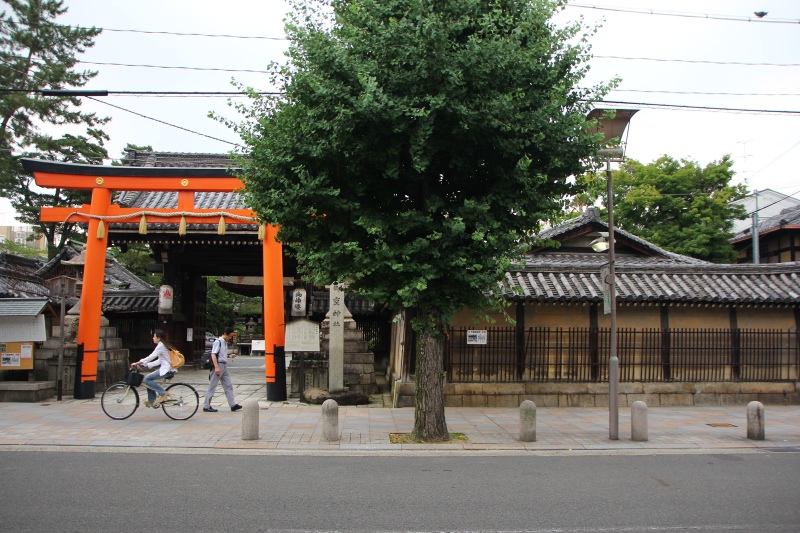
(39, 54)
(414, 148)
(678, 205)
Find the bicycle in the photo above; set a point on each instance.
(121, 399)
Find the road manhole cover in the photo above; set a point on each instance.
(721, 425)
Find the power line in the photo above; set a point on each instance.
(732, 18)
(65, 93)
(702, 92)
(770, 205)
(624, 58)
(152, 32)
(614, 102)
(783, 154)
(172, 67)
(165, 123)
(698, 61)
(704, 108)
(181, 34)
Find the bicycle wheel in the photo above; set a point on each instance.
(183, 401)
(120, 400)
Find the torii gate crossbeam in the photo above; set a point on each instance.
(103, 181)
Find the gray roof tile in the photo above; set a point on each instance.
(788, 217)
(645, 273)
(169, 200)
(22, 306)
(19, 279)
(722, 284)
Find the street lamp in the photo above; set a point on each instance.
(611, 123)
(600, 244)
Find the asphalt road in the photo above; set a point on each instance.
(121, 491)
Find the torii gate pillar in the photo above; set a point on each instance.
(92, 297)
(274, 327)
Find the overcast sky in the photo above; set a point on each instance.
(685, 60)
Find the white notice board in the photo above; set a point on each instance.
(302, 336)
(476, 336)
(259, 345)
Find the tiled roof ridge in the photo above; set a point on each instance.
(12, 273)
(591, 216)
(788, 216)
(67, 252)
(706, 268)
(141, 158)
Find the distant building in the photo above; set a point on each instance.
(770, 203)
(778, 238)
(22, 235)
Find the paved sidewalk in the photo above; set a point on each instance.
(295, 428)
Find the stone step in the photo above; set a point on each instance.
(26, 391)
(45, 353)
(55, 344)
(361, 358)
(113, 355)
(105, 332)
(349, 345)
(110, 343)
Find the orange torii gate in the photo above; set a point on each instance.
(103, 181)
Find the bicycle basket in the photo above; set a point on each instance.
(134, 378)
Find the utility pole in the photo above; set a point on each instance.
(756, 258)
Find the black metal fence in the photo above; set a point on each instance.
(645, 355)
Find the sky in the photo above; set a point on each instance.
(667, 53)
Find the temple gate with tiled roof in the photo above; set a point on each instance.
(189, 205)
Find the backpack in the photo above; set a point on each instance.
(176, 359)
(205, 360)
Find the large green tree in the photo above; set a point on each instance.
(35, 54)
(678, 205)
(415, 146)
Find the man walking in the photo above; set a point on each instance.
(219, 356)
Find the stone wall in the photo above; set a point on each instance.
(596, 394)
(112, 359)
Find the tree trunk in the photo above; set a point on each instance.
(429, 420)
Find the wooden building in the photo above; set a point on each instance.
(778, 239)
(689, 332)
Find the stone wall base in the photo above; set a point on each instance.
(676, 394)
(26, 391)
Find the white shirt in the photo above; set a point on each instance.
(160, 356)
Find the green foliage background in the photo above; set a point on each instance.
(677, 205)
(38, 53)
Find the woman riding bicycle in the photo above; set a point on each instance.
(159, 358)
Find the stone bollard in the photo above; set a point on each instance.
(330, 420)
(639, 421)
(756, 423)
(527, 421)
(250, 419)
